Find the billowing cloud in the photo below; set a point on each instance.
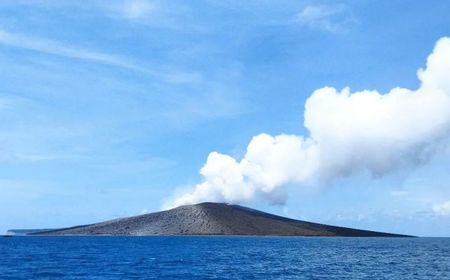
(349, 132)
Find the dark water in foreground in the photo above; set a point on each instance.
(223, 258)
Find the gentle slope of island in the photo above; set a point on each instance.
(212, 219)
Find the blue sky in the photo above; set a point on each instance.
(111, 108)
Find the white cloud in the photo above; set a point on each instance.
(348, 133)
(150, 13)
(169, 75)
(333, 19)
(442, 209)
(10, 157)
(59, 49)
(136, 9)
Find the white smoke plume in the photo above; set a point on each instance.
(348, 133)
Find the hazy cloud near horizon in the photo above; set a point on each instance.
(349, 132)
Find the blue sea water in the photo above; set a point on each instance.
(223, 258)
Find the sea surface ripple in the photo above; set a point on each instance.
(209, 257)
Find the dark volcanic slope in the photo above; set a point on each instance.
(211, 219)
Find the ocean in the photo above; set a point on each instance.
(211, 257)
